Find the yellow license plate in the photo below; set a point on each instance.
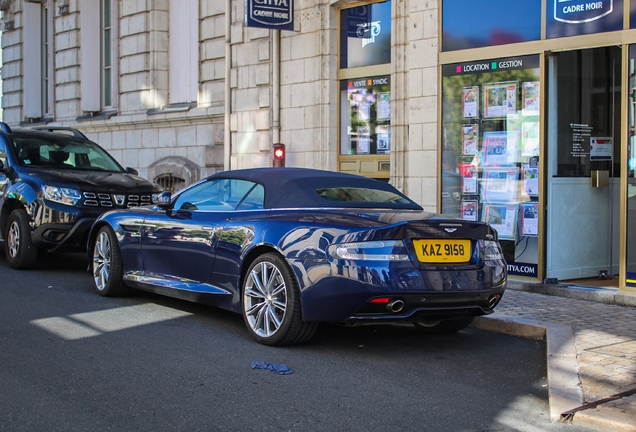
(442, 251)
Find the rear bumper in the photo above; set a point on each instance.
(430, 307)
(331, 293)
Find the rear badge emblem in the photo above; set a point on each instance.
(450, 230)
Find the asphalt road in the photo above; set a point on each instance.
(73, 361)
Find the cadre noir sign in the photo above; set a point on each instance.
(578, 17)
(271, 14)
(581, 11)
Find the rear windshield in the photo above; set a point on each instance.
(361, 195)
(63, 154)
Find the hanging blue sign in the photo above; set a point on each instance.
(577, 17)
(271, 14)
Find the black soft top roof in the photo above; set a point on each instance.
(296, 187)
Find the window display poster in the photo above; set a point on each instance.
(500, 99)
(512, 146)
(384, 106)
(530, 139)
(361, 100)
(495, 148)
(601, 149)
(501, 217)
(500, 184)
(469, 176)
(530, 219)
(363, 144)
(531, 91)
(466, 169)
(364, 111)
(469, 210)
(470, 101)
(470, 135)
(531, 179)
(383, 140)
(469, 185)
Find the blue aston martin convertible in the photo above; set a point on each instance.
(289, 248)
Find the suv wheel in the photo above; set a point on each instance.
(20, 251)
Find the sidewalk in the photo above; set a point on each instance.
(590, 339)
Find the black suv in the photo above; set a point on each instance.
(54, 183)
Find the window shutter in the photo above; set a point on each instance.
(184, 51)
(91, 52)
(32, 60)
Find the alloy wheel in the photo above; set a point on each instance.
(265, 299)
(102, 261)
(13, 239)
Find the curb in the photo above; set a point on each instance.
(599, 295)
(564, 385)
(565, 394)
(608, 418)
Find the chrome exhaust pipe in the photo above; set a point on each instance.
(395, 306)
(493, 300)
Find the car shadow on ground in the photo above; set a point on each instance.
(331, 335)
(53, 261)
(328, 335)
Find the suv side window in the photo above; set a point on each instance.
(3, 158)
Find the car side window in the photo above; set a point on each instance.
(214, 195)
(254, 200)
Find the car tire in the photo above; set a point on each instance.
(20, 251)
(445, 326)
(107, 265)
(271, 303)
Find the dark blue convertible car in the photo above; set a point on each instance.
(292, 247)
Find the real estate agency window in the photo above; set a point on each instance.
(365, 89)
(490, 151)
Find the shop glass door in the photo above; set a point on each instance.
(583, 181)
(630, 258)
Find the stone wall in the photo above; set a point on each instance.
(144, 135)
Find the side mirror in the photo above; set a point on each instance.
(132, 171)
(6, 172)
(163, 200)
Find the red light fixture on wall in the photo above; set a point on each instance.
(279, 155)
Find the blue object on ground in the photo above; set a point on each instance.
(280, 369)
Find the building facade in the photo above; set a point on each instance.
(516, 113)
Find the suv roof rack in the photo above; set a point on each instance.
(76, 133)
(5, 128)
